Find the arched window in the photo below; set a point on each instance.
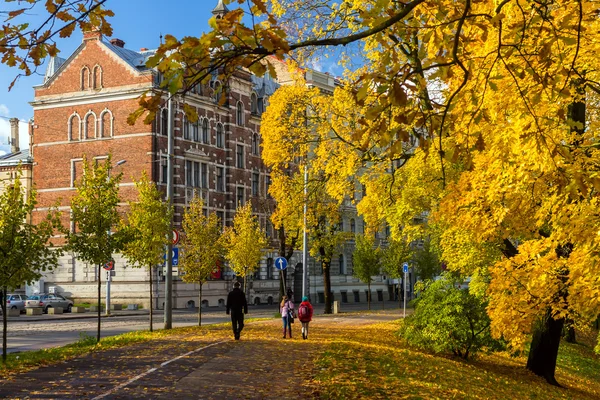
(74, 127)
(106, 124)
(240, 113)
(85, 78)
(164, 121)
(217, 91)
(254, 104)
(342, 265)
(186, 128)
(205, 138)
(220, 136)
(352, 225)
(89, 125)
(97, 82)
(195, 129)
(255, 144)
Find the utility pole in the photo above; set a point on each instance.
(305, 238)
(169, 255)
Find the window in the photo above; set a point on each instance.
(97, 84)
(85, 78)
(268, 185)
(352, 225)
(75, 166)
(189, 174)
(196, 174)
(195, 133)
(218, 91)
(255, 144)
(240, 196)
(220, 136)
(268, 228)
(164, 121)
(239, 156)
(205, 131)
(204, 175)
(269, 268)
(342, 265)
(220, 179)
(240, 113)
(260, 105)
(254, 104)
(89, 126)
(106, 124)
(186, 128)
(221, 217)
(74, 127)
(255, 178)
(341, 225)
(164, 171)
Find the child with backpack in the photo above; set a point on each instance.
(305, 313)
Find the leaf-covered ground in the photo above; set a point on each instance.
(355, 356)
(369, 362)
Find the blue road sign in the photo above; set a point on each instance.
(405, 267)
(174, 257)
(280, 263)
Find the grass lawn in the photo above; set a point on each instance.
(370, 362)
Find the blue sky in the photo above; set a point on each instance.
(139, 23)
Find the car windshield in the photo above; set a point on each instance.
(34, 298)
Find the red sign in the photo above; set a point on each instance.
(216, 274)
(109, 266)
(175, 236)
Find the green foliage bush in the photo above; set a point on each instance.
(448, 319)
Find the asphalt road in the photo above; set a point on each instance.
(48, 331)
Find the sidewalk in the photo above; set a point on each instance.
(204, 364)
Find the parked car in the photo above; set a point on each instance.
(16, 302)
(45, 301)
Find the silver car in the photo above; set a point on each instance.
(46, 301)
(16, 302)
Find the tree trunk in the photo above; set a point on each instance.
(151, 319)
(327, 286)
(99, 298)
(4, 323)
(569, 331)
(399, 293)
(543, 351)
(369, 295)
(200, 305)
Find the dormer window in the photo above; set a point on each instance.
(97, 78)
(85, 78)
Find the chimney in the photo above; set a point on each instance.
(117, 42)
(14, 135)
(93, 34)
(143, 49)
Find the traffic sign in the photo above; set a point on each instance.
(174, 256)
(280, 263)
(175, 236)
(109, 266)
(405, 267)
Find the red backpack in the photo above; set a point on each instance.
(303, 312)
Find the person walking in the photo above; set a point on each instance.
(237, 304)
(305, 313)
(287, 314)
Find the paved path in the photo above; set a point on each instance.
(205, 364)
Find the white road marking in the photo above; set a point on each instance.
(151, 370)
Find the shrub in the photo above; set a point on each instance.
(448, 319)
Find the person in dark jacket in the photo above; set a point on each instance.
(236, 303)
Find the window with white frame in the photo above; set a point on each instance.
(163, 169)
(205, 138)
(164, 121)
(342, 265)
(204, 175)
(352, 225)
(74, 127)
(255, 180)
(195, 131)
(220, 172)
(254, 104)
(196, 174)
(76, 167)
(106, 124)
(240, 113)
(189, 173)
(186, 128)
(255, 144)
(85, 78)
(97, 80)
(240, 196)
(220, 136)
(239, 156)
(267, 185)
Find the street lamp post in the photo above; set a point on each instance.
(305, 238)
(169, 255)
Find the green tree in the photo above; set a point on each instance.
(201, 245)
(366, 261)
(148, 229)
(94, 211)
(393, 257)
(26, 248)
(244, 243)
(427, 261)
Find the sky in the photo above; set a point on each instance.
(139, 23)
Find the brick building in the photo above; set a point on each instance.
(82, 108)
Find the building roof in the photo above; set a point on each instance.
(15, 158)
(220, 8)
(53, 65)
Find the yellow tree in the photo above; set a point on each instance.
(366, 261)
(201, 245)
(244, 243)
(148, 227)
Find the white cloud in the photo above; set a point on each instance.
(5, 131)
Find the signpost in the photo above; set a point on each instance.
(405, 268)
(109, 266)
